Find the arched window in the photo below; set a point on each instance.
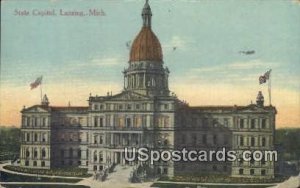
(101, 156)
(35, 153)
(27, 153)
(79, 153)
(95, 156)
(71, 152)
(43, 153)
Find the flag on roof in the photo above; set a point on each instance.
(263, 79)
(36, 83)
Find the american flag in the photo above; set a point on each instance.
(263, 79)
(36, 83)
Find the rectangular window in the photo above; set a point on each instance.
(241, 141)
(252, 123)
(215, 139)
(128, 122)
(166, 106)
(225, 122)
(101, 121)
(96, 121)
(263, 123)
(241, 123)
(204, 139)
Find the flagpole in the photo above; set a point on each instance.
(269, 89)
(41, 93)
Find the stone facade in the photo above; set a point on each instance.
(145, 114)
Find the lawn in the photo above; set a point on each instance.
(71, 172)
(8, 177)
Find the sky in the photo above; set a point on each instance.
(79, 55)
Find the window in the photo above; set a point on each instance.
(215, 122)
(204, 139)
(241, 171)
(241, 141)
(263, 123)
(137, 106)
(101, 139)
(226, 122)
(215, 168)
(79, 153)
(263, 172)
(27, 153)
(263, 142)
(101, 107)
(215, 139)
(263, 162)
(183, 139)
(96, 107)
(95, 156)
(95, 121)
(166, 106)
(194, 139)
(71, 152)
(34, 163)
(128, 122)
(43, 153)
(26, 163)
(35, 137)
(165, 171)
(79, 163)
(95, 168)
(28, 137)
(35, 121)
(28, 121)
(251, 171)
(35, 153)
(241, 123)
(101, 121)
(252, 141)
(101, 156)
(252, 123)
(95, 139)
(128, 106)
(120, 106)
(43, 163)
(44, 137)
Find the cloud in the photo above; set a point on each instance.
(243, 65)
(176, 41)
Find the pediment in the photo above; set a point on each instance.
(129, 95)
(253, 108)
(36, 109)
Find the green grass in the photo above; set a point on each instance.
(46, 186)
(173, 185)
(219, 179)
(71, 172)
(8, 177)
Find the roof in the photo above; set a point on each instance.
(59, 108)
(230, 108)
(146, 47)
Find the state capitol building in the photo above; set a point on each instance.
(146, 114)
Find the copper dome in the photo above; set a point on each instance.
(146, 46)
